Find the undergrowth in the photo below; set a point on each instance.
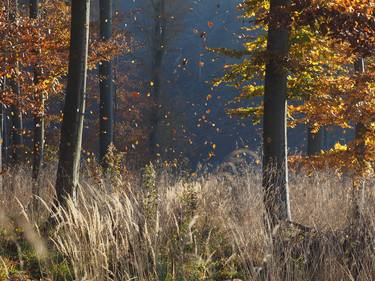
(154, 226)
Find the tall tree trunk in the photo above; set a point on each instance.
(158, 51)
(314, 141)
(39, 130)
(106, 84)
(15, 109)
(275, 167)
(72, 125)
(4, 135)
(1, 144)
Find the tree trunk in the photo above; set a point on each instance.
(158, 52)
(17, 128)
(1, 145)
(275, 167)
(314, 141)
(360, 151)
(15, 111)
(106, 84)
(74, 107)
(360, 129)
(358, 236)
(39, 130)
(34, 9)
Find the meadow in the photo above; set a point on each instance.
(160, 224)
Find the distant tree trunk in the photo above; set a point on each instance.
(5, 133)
(39, 130)
(360, 150)
(314, 141)
(275, 167)
(15, 109)
(72, 124)
(34, 9)
(17, 127)
(158, 51)
(360, 129)
(106, 84)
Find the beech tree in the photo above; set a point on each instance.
(275, 172)
(326, 37)
(74, 107)
(106, 83)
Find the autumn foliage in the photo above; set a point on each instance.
(327, 38)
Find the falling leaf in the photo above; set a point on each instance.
(135, 94)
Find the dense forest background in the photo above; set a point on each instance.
(191, 123)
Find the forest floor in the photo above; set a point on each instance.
(159, 226)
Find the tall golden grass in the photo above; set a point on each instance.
(159, 227)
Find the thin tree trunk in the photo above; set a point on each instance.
(4, 132)
(360, 150)
(72, 125)
(158, 52)
(314, 141)
(16, 113)
(39, 130)
(275, 167)
(106, 84)
(1, 144)
(17, 128)
(360, 129)
(5, 144)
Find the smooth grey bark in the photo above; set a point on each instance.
(39, 122)
(158, 52)
(314, 142)
(106, 84)
(275, 167)
(74, 107)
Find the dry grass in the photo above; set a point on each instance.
(193, 228)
